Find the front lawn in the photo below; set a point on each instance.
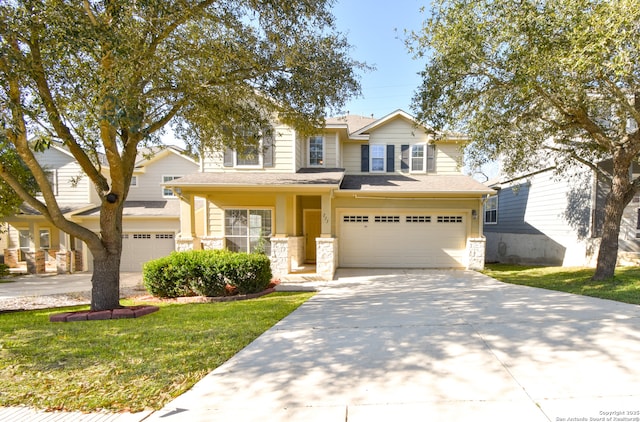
(624, 287)
(127, 364)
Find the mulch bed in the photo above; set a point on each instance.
(141, 310)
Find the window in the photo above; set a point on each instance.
(52, 177)
(449, 219)
(250, 156)
(316, 151)
(431, 158)
(418, 219)
(378, 157)
(45, 242)
(355, 219)
(166, 192)
(255, 151)
(387, 219)
(491, 210)
(417, 158)
(24, 239)
(134, 182)
(247, 230)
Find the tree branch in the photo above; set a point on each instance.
(581, 160)
(54, 116)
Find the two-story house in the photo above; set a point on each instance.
(151, 216)
(543, 218)
(362, 192)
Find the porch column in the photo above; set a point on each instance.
(280, 251)
(187, 239)
(475, 253)
(326, 244)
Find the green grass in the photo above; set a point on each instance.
(623, 287)
(126, 364)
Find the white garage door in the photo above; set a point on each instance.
(138, 248)
(375, 238)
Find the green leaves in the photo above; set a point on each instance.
(514, 76)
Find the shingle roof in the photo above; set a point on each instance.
(168, 208)
(353, 121)
(26, 209)
(414, 183)
(237, 178)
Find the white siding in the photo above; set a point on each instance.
(169, 164)
(72, 184)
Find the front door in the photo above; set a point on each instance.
(312, 227)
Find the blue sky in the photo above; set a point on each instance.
(375, 29)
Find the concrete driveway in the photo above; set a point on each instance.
(405, 345)
(51, 284)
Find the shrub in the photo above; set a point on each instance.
(207, 273)
(4, 271)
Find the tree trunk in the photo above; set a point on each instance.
(622, 192)
(105, 290)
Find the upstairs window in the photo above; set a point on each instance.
(167, 192)
(52, 178)
(316, 151)
(417, 157)
(253, 151)
(378, 157)
(491, 210)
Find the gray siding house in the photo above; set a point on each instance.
(547, 219)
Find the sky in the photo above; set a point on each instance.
(376, 30)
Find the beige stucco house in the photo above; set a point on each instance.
(362, 192)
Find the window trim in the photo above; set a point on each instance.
(486, 209)
(164, 189)
(260, 155)
(248, 209)
(324, 151)
(134, 184)
(424, 158)
(383, 157)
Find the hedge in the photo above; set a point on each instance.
(207, 273)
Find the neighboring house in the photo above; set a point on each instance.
(362, 192)
(151, 216)
(543, 218)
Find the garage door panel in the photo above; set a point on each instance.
(370, 238)
(138, 248)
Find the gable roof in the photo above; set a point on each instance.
(148, 155)
(352, 122)
(366, 130)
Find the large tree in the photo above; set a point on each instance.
(540, 83)
(105, 77)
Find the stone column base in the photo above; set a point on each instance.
(475, 253)
(11, 257)
(63, 262)
(280, 263)
(326, 257)
(188, 244)
(212, 242)
(35, 262)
